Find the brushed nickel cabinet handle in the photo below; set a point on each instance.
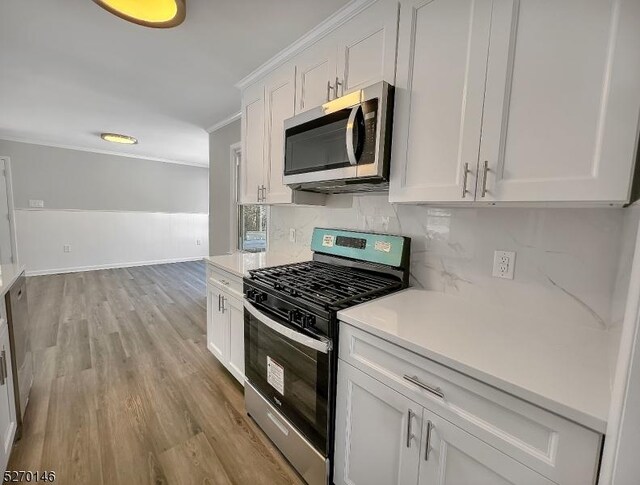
(329, 89)
(465, 176)
(219, 303)
(338, 83)
(427, 444)
(3, 368)
(433, 390)
(485, 172)
(223, 307)
(410, 434)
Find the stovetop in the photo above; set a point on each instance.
(330, 286)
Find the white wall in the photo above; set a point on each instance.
(112, 211)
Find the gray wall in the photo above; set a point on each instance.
(74, 179)
(220, 223)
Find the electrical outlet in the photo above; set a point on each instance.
(198, 242)
(503, 264)
(34, 203)
(292, 235)
(66, 248)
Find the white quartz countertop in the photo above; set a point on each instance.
(240, 264)
(561, 367)
(9, 273)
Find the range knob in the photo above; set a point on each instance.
(309, 321)
(251, 294)
(260, 297)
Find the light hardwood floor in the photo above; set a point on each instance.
(125, 391)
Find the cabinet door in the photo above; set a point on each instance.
(367, 47)
(235, 314)
(252, 164)
(374, 429)
(315, 75)
(562, 100)
(217, 326)
(451, 456)
(7, 403)
(280, 96)
(442, 57)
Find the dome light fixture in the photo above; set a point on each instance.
(117, 138)
(161, 14)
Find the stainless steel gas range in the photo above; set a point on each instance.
(291, 337)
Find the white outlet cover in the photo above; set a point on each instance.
(36, 203)
(292, 235)
(66, 248)
(504, 264)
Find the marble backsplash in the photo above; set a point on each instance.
(571, 264)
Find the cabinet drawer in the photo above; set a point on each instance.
(224, 280)
(559, 449)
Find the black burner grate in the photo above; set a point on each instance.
(325, 284)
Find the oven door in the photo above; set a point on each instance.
(290, 369)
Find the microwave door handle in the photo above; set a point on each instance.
(323, 346)
(354, 135)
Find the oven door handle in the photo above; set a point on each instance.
(323, 346)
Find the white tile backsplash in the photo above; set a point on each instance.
(571, 264)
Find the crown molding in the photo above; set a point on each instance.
(224, 122)
(32, 141)
(327, 26)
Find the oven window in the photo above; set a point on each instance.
(317, 145)
(293, 377)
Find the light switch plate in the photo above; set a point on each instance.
(503, 264)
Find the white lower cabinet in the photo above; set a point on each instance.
(462, 431)
(7, 403)
(225, 322)
(374, 428)
(385, 438)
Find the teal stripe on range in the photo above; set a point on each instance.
(364, 246)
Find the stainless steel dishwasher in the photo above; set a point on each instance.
(20, 341)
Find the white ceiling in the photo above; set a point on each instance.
(70, 70)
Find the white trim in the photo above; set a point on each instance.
(12, 209)
(46, 209)
(327, 26)
(224, 122)
(79, 269)
(234, 149)
(31, 141)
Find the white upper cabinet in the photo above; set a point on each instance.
(315, 75)
(359, 53)
(280, 104)
(540, 98)
(562, 100)
(252, 164)
(367, 48)
(442, 53)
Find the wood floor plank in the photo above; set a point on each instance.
(125, 390)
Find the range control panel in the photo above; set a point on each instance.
(363, 246)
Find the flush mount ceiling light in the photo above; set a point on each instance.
(116, 138)
(150, 13)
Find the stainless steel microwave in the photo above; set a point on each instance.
(343, 145)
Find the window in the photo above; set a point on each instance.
(252, 220)
(252, 228)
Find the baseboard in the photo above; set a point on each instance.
(80, 269)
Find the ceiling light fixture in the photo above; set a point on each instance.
(116, 138)
(150, 13)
